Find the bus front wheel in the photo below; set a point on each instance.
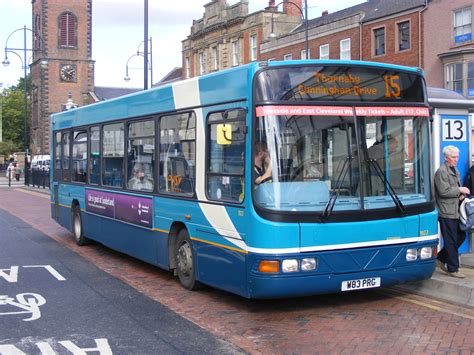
(185, 261)
(77, 226)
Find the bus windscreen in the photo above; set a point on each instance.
(338, 83)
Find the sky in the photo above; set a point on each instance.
(117, 34)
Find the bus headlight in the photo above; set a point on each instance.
(289, 265)
(426, 253)
(308, 264)
(412, 254)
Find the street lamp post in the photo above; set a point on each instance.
(304, 16)
(24, 63)
(148, 63)
(145, 47)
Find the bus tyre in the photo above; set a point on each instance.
(185, 265)
(77, 226)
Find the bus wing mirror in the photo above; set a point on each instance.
(224, 134)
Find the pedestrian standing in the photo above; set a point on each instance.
(448, 194)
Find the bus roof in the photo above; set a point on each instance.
(189, 93)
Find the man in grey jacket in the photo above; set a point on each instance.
(448, 194)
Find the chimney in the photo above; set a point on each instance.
(271, 6)
(292, 10)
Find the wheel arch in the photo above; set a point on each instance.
(173, 233)
(74, 203)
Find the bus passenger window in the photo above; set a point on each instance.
(141, 156)
(79, 156)
(177, 171)
(225, 175)
(113, 154)
(94, 156)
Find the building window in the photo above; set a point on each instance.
(404, 35)
(345, 49)
(462, 25)
(67, 30)
(470, 79)
(215, 58)
(454, 77)
(303, 54)
(379, 41)
(288, 57)
(188, 68)
(235, 53)
(36, 38)
(201, 63)
(324, 51)
(253, 47)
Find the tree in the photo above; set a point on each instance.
(12, 101)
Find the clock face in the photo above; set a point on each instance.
(68, 72)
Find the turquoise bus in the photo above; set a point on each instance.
(271, 179)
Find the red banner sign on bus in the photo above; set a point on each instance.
(340, 111)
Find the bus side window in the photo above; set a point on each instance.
(94, 156)
(177, 153)
(113, 154)
(225, 174)
(141, 156)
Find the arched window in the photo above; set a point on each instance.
(67, 30)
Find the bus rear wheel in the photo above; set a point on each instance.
(185, 265)
(77, 226)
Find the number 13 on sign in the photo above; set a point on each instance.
(454, 130)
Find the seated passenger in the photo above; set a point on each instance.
(140, 181)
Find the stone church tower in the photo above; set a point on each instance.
(61, 63)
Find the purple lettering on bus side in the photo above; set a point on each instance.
(100, 202)
(134, 209)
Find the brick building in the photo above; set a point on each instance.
(435, 35)
(377, 30)
(62, 63)
(448, 45)
(227, 36)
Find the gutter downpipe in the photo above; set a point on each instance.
(420, 41)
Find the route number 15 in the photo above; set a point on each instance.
(454, 130)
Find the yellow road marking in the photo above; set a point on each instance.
(464, 312)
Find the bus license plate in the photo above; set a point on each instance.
(360, 284)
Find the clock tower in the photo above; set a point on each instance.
(61, 63)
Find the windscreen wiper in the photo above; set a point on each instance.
(390, 189)
(335, 192)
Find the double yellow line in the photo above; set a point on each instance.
(435, 305)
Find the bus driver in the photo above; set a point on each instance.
(262, 163)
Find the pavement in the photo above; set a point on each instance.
(440, 286)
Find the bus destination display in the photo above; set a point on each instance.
(334, 83)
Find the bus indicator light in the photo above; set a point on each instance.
(269, 266)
